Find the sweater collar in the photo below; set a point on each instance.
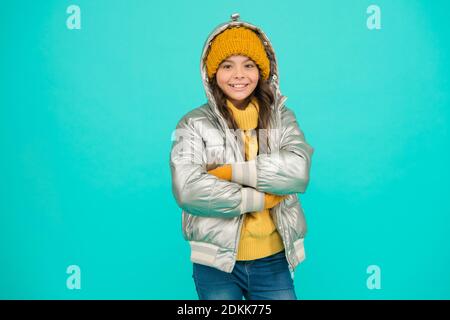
(252, 104)
(247, 118)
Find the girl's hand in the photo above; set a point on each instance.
(271, 200)
(222, 172)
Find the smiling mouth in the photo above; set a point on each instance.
(238, 86)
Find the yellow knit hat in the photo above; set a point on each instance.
(237, 40)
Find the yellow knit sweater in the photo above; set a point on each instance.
(259, 236)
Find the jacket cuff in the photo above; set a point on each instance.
(252, 200)
(244, 173)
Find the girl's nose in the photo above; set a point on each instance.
(238, 73)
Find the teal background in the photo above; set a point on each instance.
(86, 122)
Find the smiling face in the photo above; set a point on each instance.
(238, 77)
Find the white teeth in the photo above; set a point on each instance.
(238, 85)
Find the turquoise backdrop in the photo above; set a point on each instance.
(86, 117)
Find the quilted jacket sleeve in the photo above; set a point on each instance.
(198, 192)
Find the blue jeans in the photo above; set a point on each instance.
(267, 278)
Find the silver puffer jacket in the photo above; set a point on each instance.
(212, 213)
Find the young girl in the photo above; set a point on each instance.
(237, 164)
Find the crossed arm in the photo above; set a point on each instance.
(225, 172)
(237, 188)
(280, 173)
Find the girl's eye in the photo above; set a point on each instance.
(228, 66)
